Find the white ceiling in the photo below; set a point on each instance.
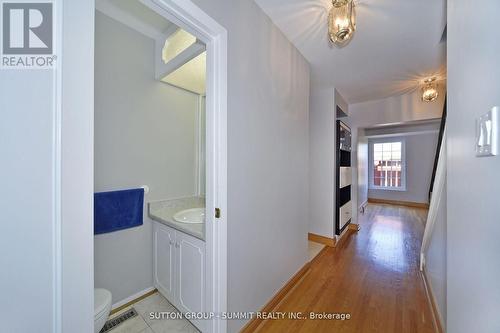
(396, 44)
(142, 13)
(137, 16)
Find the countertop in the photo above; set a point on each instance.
(163, 212)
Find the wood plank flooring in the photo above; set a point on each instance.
(373, 276)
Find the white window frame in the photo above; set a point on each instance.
(404, 169)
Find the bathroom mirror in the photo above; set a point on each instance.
(181, 65)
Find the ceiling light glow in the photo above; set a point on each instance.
(429, 90)
(341, 22)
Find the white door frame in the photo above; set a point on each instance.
(73, 159)
(189, 17)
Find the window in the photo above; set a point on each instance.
(387, 165)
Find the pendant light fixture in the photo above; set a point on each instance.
(341, 22)
(429, 90)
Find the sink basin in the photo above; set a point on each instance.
(192, 215)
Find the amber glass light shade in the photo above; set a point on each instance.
(341, 22)
(429, 90)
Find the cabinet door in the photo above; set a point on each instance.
(191, 274)
(345, 214)
(164, 260)
(345, 177)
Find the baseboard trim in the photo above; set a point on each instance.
(354, 227)
(431, 299)
(399, 203)
(331, 242)
(255, 322)
(118, 306)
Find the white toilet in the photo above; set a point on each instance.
(102, 307)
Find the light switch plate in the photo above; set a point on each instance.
(487, 133)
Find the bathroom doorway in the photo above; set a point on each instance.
(160, 95)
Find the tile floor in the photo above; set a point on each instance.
(143, 324)
(314, 249)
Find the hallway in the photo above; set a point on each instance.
(373, 276)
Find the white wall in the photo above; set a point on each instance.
(322, 158)
(360, 176)
(473, 221)
(341, 102)
(42, 265)
(394, 110)
(420, 153)
(268, 92)
(145, 134)
(435, 260)
(27, 203)
(322, 128)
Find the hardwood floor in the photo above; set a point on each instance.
(373, 276)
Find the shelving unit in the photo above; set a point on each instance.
(343, 211)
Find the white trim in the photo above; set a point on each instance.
(167, 33)
(131, 298)
(192, 19)
(199, 152)
(76, 111)
(383, 188)
(408, 123)
(404, 168)
(164, 69)
(57, 173)
(432, 298)
(109, 9)
(380, 136)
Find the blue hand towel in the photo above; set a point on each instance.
(117, 210)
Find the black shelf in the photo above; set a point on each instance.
(343, 159)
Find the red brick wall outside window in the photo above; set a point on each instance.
(387, 164)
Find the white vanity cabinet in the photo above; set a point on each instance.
(179, 269)
(164, 260)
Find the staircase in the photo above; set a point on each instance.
(440, 141)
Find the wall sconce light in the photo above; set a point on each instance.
(341, 22)
(429, 90)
